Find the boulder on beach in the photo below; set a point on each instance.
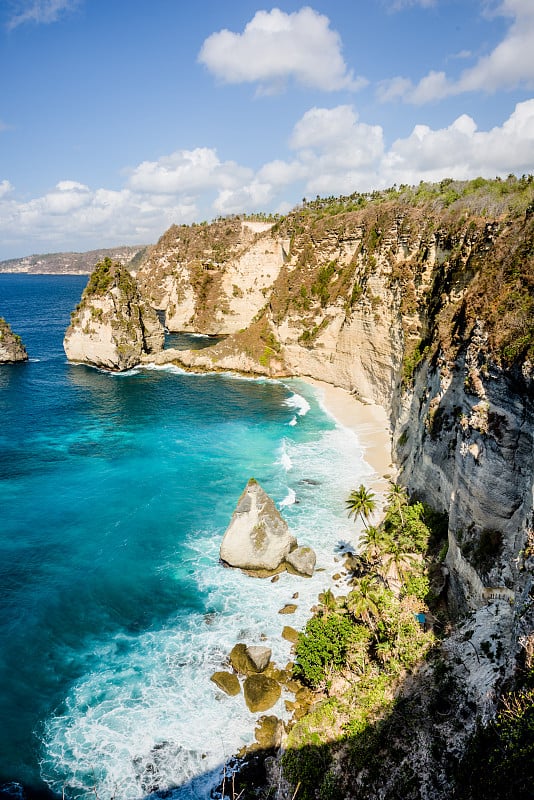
(247, 660)
(261, 692)
(227, 681)
(302, 560)
(258, 537)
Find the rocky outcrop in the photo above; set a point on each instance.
(257, 537)
(113, 326)
(11, 347)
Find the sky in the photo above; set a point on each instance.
(119, 118)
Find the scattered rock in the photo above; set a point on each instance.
(261, 692)
(247, 659)
(258, 537)
(295, 596)
(269, 731)
(227, 681)
(290, 634)
(302, 560)
(259, 656)
(289, 608)
(275, 578)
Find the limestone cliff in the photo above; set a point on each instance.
(113, 326)
(11, 347)
(212, 278)
(421, 300)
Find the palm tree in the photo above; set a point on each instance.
(397, 497)
(363, 600)
(361, 502)
(402, 561)
(373, 542)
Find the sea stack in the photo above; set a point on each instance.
(113, 326)
(258, 537)
(11, 347)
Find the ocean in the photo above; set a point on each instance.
(115, 492)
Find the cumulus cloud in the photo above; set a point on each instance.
(40, 12)
(5, 188)
(185, 171)
(507, 66)
(276, 47)
(332, 152)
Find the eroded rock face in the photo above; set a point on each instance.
(113, 326)
(11, 347)
(258, 537)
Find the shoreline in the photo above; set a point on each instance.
(368, 421)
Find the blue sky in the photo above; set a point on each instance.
(121, 117)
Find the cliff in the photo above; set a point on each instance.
(422, 300)
(11, 347)
(113, 326)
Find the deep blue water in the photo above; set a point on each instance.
(115, 491)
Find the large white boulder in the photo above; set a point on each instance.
(258, 537)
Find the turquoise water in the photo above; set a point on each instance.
(115, 491)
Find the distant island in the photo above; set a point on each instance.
(75, 263)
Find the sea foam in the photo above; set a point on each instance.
(146, 716)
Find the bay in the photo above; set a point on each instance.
(115, 491)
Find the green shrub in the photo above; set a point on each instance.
(322, 647)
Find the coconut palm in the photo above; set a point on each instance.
(397, 497)
(363, 600)
(402, 561)
(373, 542)
(361, 503)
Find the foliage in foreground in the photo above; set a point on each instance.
(366, 643)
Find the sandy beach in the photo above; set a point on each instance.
(368, 421)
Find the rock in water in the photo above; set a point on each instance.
(258, 537)
(261, 692)
(11, 347)
(113, 326)
(249, 659)
(227, 681)
(302, 560)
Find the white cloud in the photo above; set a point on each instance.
(462, 151)
(509, 65)
(185, 171)
(5, 188)
(40, 12)
(276, 47)
(333, 152)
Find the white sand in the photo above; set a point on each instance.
(368, 421)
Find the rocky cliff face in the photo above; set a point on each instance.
(212, 278)
(11, 347)
(422, 301)
(113, 326)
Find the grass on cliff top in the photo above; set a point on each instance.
(107, 274)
